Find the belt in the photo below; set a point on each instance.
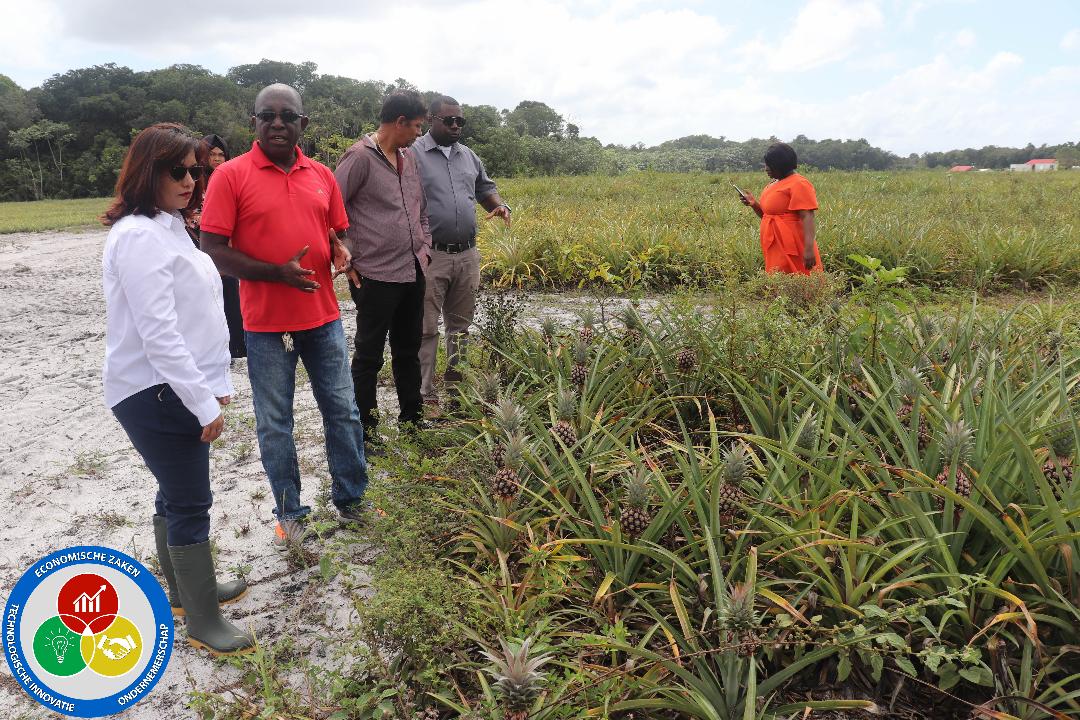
(454, 247)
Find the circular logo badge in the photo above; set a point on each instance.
(87, 631)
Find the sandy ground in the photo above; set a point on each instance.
(69, 476)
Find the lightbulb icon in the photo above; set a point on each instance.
(60, 646)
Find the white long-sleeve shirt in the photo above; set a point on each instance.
(165, 321)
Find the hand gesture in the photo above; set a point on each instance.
(748, 199)
(293, 275)
(809, 261)
(343, 262)
(501, 211)
(211, 432)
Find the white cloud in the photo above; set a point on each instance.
(1071, 40)
(965, 39)
(826, 31)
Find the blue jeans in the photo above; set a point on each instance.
(272, 371)
(166, 434)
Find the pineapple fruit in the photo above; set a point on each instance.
(957, 444)
(686, 360)
(566, 411)
(635, 517)
(738, 619)
(509, 418)
(548, 329)
(808, 435)
(517, 677)
(1059, 466)
(588, 326)
(910, 387)
(488, 387)
(735, 468)
(506, 482)
(632, 323)
(579, 372)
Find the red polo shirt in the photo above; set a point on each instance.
(271, 215)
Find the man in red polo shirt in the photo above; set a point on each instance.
(271, 218)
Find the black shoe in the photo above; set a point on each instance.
(358, 512)
(373, 443)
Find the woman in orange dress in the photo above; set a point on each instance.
(786, 209)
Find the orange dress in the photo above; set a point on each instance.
(782, 239)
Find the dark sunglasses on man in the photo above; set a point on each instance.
(177, 173)
(450, 120)
(287, 116)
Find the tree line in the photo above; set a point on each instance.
(67, 138)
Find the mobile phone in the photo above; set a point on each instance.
(741, 193)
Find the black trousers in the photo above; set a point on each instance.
(166, 434)
(230, 291)
(397, 310)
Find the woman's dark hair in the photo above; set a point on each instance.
(402, 104)
(152, 152)
(781, 159)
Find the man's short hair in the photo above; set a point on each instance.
(781, 158)
(402, 104)
(438, 103)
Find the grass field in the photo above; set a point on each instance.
(986, 231)
(51, 214)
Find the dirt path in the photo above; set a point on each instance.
(69, 476)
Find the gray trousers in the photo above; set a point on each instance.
(452, 281)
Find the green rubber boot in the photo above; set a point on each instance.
(227, 593)
(193, 566)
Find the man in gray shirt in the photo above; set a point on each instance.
(454, 182)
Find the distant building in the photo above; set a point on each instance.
(1038, 165)
(961, 168)
(1043, 165)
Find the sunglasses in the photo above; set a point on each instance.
(287, 116)
(451, 120)
(177, 173)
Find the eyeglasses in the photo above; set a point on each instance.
(287, 116)
(451, 120)
(177, 173)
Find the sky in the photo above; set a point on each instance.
(907, 75)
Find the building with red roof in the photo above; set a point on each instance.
(961, 168)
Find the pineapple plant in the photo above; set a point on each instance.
(509, 418)
(1059, 466)
(910, 387)
(635, 517)
(957, 444)
(579, 373)
(517, 676)
(548, 329)
(588, 326)
(488, 387)
(686, 359)
(738, 619)
(566, 410)
(632, 323)
(506, 482)
(735, 468)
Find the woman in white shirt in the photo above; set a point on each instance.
(166, 371)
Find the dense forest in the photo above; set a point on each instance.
(67, 137)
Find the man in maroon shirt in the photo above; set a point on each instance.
(390, 243)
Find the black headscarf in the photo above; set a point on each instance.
(213, 141)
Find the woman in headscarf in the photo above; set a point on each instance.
(213, 152)
(786, 209)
